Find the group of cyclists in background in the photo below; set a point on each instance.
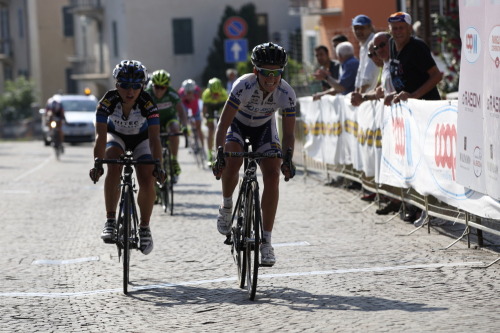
(132, 116)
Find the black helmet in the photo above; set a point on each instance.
(130, 71)
(269, 54)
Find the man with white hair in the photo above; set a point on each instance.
(349, 65)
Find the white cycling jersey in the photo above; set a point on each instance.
(255, 110)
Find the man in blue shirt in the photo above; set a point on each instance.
(349, 64)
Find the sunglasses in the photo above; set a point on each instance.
(159, 87)
(270, 72)
(128, 85)
(381, 45)
(370, 54)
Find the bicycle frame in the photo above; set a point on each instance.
(167, 188)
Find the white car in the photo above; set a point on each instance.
(79, 111)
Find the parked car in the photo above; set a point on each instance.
(79, 111)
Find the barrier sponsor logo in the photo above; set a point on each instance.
(477, 161)
(493, 104)
(494, 45)
(441, 133)
(471, 99)
(472, 45)
(445, 146)
(398, 130)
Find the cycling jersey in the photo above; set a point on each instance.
(255, 110)
(193, 103)
(143, 114)
(166, 105)
(213, 102)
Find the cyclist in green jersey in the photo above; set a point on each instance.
(170, 109)
(214, 97)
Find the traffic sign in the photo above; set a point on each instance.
(235, 27)
(235, 50)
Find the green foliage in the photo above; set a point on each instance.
(15, 102)
(447, 32)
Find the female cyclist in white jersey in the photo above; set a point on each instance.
(250, 112)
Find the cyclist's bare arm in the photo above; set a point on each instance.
(155, 142)
(101, 132)
(226, 118)
(288, 133)
(181, 114)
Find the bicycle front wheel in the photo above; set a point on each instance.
(252, 239)
(127, 212)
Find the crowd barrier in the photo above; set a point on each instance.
(405, 151)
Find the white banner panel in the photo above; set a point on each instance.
(470, 145)
(323, 127)
(491, 106)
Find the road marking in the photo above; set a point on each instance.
(228, 279)
(291, 244)
(39, 166)
(63, 262)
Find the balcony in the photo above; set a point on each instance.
(88, 68)
(89, 8)
(311, 7)
(5, 49)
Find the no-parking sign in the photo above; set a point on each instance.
(235, 27)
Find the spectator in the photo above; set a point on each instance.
(349, 66)
(367, 76)
(336, 40)
(413, 71)
(378, 52)
(231, 75)
(327, 66)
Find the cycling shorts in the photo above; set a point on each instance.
(210, 110)
(137, 144)
(263, 138)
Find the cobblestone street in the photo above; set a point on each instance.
(340, 267)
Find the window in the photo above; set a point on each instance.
(183, 36)
(20, 21)
(114, 28)
(68, 28)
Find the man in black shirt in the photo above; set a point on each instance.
(413, 70)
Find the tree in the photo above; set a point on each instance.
(15, 102)
(216, 65)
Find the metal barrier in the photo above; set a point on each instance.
(432, 206)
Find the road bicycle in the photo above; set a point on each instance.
(195, 145)
(166, 189)
(56, 139)
(127, 225)
(247, 233)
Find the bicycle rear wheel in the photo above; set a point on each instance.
(127, 212)
(252, 239)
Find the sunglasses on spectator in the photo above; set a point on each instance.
(269, 72)
(370, 54)
(128, 85)
(159, 87)
(381, 45)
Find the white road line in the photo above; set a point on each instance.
(63, 262)
(263, 276)
(291, 244)
(39, 166)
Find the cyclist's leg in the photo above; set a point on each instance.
(230, 175)
(173, 127)
(270, 168)
(210, 137)
(199, 130)
(146, 194)
(114, 148)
